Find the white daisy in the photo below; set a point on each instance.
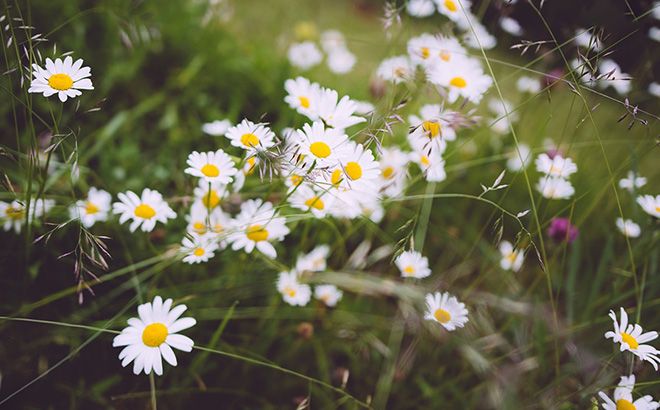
(318, 202)
(393, 165)
(512, 259)
(505, 115)
(424, 50)
(632, 338)
(144, 210)
(94, 209)
(256, 226)
(650, 204)
(452, 9)
(587, 39)
(337, 113)
(432, 122)
(364, 107)
(462, 77)
(13, 215)
(396, 69)
(632, 181)
(477, 36)
(420, 8)
(202, 222)
(430, 162)
(304, 55)
(341, 61)
(303, 96)
(332, 40)
(64, 78)
(412, 265)
(446, 310)
(623, 399)
(40, 207)
(198, 248)
(251, 136)
(555, 188)
(209, 194)
(628, 227)
(314, 261)
(556, 166)
(610, 75)
(357, 168)
(328, 294)
(215, 167)
(216, 128)
(528, 85)
(511, 26)
(293, 292)
(320, 145)
(519, 159)
(153, 335)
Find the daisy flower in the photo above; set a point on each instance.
(341, 61)
(512, 259)
(446, 310)
(94, 209)
(215, 167)
(432, 123)
(328, 294)
(632, 181)
(650, 204)
(628, 227)
(557, 166)
(413, 265)
(209, 194)
(632, 339)
(529, 85)
(314, 261)
(256, 226)
(151, 337)
(364, 107)
(320, 144)
(358, 166)
(587, 39)
(518, 159)
(303, 96)
(477, 36)
(13, 215)
(216, 128)
(420, 8)
(463, 77)
(427, 49)
(555, 188)
(202, 222)
(308, 199)
(64, 78)
(198, 249)
(623, 399)
(430, 162)
(293, 292)
(393, 164)
(332, 40)
(337, 113)
(144, 210)
(452, 9)
(511, 26)
(610, 75)
(396, 69)
(250, 136)
(304, 55)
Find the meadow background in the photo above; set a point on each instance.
(162, 69)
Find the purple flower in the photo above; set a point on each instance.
(561, 229)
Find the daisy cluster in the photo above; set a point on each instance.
(307, 54)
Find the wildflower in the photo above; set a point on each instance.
(587, 39)
(557, 166)
(341, 61)
(393, 163)
(304, 55)
(628, 227)
(64, 78)
(452, 9)
(512, 258)
(358, 168)
(555, 188)
(153, 335)
(431, 163)
(314, 261)
(332, 40)
(216, 128)
(396, 69)
(623, 399)
(320, 144)
(632, 181)
(256, 226)
(363, 107)
(446, 310)
(250, 136)
(612, 76)
(654, 88)
(308, 199)
(209, 194)
(632, 339)
(650, 204)
(303, 96)
(198, 248)
(293, 292)
(337, 113)
(328, 294)
(202, 221)
(431, 128)
(505, 114)
(413, 265)
(215, 167)
(561, 230)
(94, 209)
(528, 85)
(511, 26)
(420, 8)
(13, 215)
(144, 210)
(462, 77)
(519, 158)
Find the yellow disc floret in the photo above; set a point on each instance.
(60, 82)
(442, 316)
(144, 211)
(256, 233)
(154, 335)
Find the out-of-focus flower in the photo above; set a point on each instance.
(561, 230)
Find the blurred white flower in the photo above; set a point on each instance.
(216, 128)
(396, 69)
(650, 204)
(527, 84)
(420, 8)
(512, 258)
(511, 26)
(555, 188)
(519, 159)
(328, 294)
(293, 292)
(628, 227)
(557, 166)
(341, 61)
(93, 209)
(304, 55)
(632, 181)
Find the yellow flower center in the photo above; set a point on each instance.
(211, 199)
(631, 341)
(217, 228)
(154, 335)
(145, 211)
(291, 292)
(425, 53)
(623, 404)
(442, 316)
(91, 208)
(425, 161)
(657, 209)
(15, 213)
(296, 179)
(210, 170)
(320, 149)
(60, 82)
(256, 233)
(400, 72)
(304, 102)
(250, 140)
(250, 161)
(432, 127)
(512, 256)
(315, 202)
(388, 172)
(336, 176)
(445, 56)
(458, 82)
(198, 252)
(353, 170)
(199, 227)
(451, 5)
(409, 270)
